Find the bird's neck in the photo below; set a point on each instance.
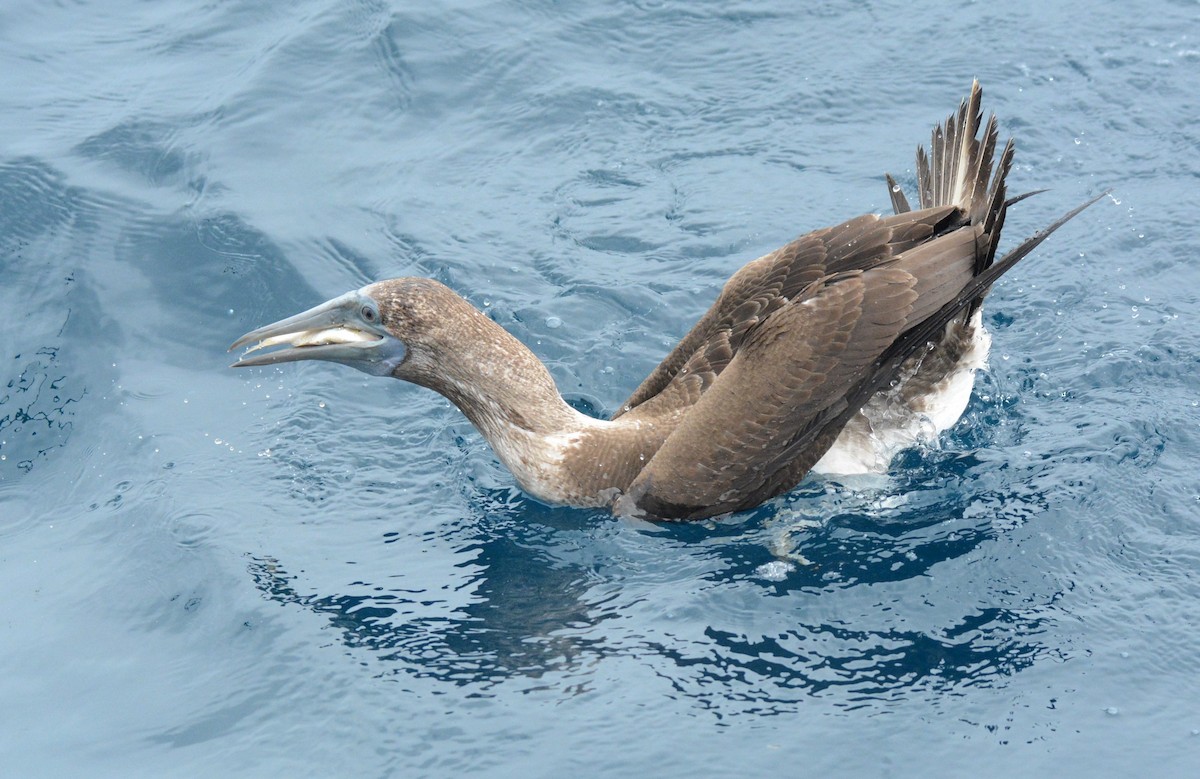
(555, 452)
(494, 379)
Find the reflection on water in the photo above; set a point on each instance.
(773, 674)
(554, 593)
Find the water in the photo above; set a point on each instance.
(303, 571)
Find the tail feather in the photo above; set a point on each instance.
(962, 170)
(957, 170)
(1018, 198)
(899, 201)
(983, 173)
(916, 338)
(994, 209)
(960, 159)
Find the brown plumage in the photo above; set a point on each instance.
(827, 340)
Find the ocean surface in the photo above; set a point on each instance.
(304, 571)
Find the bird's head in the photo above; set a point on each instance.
(389, 328)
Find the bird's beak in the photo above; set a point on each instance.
(346, 329)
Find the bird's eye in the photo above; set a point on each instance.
(369, 313)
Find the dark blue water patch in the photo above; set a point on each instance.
(533, 622)
(389, 55)
(36, 201)
(239, 268)
(587, 405)
(861, 669)
(518, 625)
(146, 149)
(47, 229)
(37, 409)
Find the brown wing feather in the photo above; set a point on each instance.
(764, 285)
(726, 452)
(750, 294)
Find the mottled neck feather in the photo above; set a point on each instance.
(555, 452)
(492, 377)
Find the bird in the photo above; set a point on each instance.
(830, 353)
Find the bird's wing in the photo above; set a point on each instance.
(785, 393)
(764, 286)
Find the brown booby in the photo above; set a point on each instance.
(831, 353)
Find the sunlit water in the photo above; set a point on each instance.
(303, 571)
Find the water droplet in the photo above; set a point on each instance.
(895, 187)
(1112, 711)
(553, 322)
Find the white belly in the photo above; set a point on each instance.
(886, 424)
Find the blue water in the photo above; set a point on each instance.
(303, 571)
